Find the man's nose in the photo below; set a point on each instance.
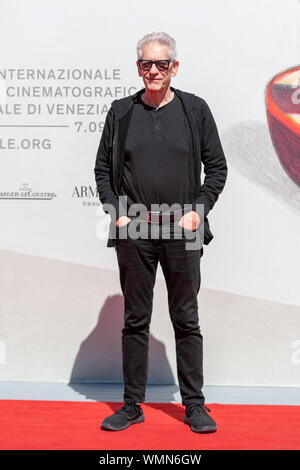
(153, 68)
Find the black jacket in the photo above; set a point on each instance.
(205, 147)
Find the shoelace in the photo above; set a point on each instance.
(198, 407)
(128, 408)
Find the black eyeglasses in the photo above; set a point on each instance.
(160, 64)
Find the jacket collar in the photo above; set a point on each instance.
(122, 106)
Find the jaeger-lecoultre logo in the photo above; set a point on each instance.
(26, 193)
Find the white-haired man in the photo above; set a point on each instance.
(151, 152)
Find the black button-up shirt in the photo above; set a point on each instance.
(156, 155)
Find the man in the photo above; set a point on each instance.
(151, 152)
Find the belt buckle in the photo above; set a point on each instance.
(149, 219)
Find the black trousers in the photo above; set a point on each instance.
(138, 260)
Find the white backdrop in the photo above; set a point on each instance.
(250, 297)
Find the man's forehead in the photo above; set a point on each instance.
(154, 50)
(147, 57)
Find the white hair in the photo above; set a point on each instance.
(161, 37)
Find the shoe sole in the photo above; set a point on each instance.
(203, 430)
(109, 427)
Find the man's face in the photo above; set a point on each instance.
(155, 79)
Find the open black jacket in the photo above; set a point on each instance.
(205, 148)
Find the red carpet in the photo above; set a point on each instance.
(31, 424)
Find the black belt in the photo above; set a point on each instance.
(161, 218)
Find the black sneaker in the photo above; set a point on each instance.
(130, 413)
(198, 419)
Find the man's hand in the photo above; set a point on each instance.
(124, 220)
(190, 221)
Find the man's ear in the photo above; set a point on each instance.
(175, 68)
(139, 71)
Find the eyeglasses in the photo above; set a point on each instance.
(160, 64)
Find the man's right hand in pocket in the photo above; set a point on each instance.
(124, 220)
